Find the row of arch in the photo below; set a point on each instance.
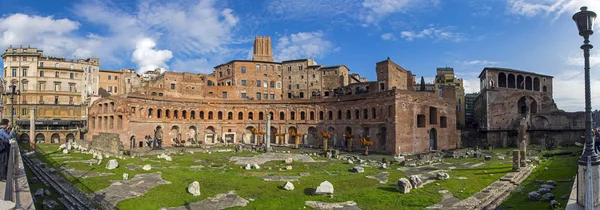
(40, 137)
(520, 82)
(365, 113)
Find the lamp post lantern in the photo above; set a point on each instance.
(584, 20)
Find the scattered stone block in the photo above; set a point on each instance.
(500, 157)
(99, 161)
(350, 161)
(288, 168)
(49, 204)
(358, 169)
(194, 188)
(543, 190)
(487, 158)
(146, 167)
(39, 192)
(112, 164)
(416, 181)
(554, 204)
(289, 160)
(443, 191)
(125, 176)
(404, 186)
(551, 187)
(65, 151)
(248, 167)
(256, 166)
(384, 166)
(412, 165)
(288, 186)
(551, 182)
(534, 196)
(537, 181)
(62, 147)
(47, 193)
(565, 196)
(442, 176)
(548, 197)
(324, 188)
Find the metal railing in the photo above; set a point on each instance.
(10, 172)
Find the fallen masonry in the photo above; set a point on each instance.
(220, 201)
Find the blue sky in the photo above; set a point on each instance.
(420, 35)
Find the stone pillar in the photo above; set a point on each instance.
(268, 133)
(286, 139)
(581, 179)
(516, 160)
(32, 128)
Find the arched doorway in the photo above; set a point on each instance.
(522, 105)
(209, 135)
(24, 138)
(192, 134)
(312, 136)
(70, 137)
(175, 134)
(273, 132)
(382, 137)
(348, 131)
(132, 142)
(249, 137)
(55, 138)
(40, 138)
(292, 139)
(432, 139)
(333, 140)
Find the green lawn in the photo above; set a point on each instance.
(368, 193)
(559, 168)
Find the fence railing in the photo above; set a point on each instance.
(10, 172)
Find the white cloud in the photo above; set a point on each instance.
(530, 8)
(388, 36)
(147, 58)
(480, 63)
(438, 34)
(302, 45)
(190, 30)
(569, 86)
(374, 11)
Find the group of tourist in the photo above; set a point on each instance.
(6, 133)
(596, 134)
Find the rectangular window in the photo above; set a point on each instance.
(265, 96)
(56, 65)
(443, 122)
(265, 67)
(244, 95)
(297, 86)
(41, 64)
(299, 67)
(23, 86)
(56, 86)
(257, 96)
(71, 87)
(55, 99)
(172, 86)
(24, 72)
(243, 70)
(278, 68)
(116, 78)
(72, 66)
(23, 111)
(432, 115)
(116, 89)
(42, 86)
(72, 75)
(109, 77)
(265, 84)
(243, 82)
(71, 100)
(14, 72)
(224, 94)
(109, 89)
(258, 67)
(272, 96)
(421, 120)
(257, 83)
(41, 73)
(278, 85)
(56, 74)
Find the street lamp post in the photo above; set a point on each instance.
(585, 24)
(12, 91)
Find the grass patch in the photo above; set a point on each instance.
(224, 176)
(559, 168)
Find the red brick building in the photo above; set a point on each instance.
(231, 106)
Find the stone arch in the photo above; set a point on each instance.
(348, 114)
(70, 137)
(230, 115)
(281, 116)
(512, 81)
(291, 139)
(220, 115)
(40, 138)
(175, 134)
(544, 89)
(158, 113)
(533, 108)
(249, 137)
(502, 79)
(312, 136)
(528, 83)
(150, 112)
(192, 134)
(168, 113)
(536, 84)
(261, 116)
(55, 138)
(382, 137)
(240, 115)
(272, 115)
(273, 137)
(540, 122)
(201, 115)
(339, 114)
(184, 114)
(24, 138)
(365, 132)
(433, 139)
(132, 142)
(333, 139)
(210, 115)
(210, 135)
(522, 106)
(250, 116)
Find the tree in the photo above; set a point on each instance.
(422, 84)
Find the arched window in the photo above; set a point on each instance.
(281, 116)
(339, 115)
(536, 84)
(168, 113)
(211, 83)
(520, 82)
(175, 114)
(261, 116)
(250, 116)
(312, 115)
(302, 115)
(184, 114)
(210, 115)
(272, 116)
(544, 88)
(159, 113)
(330, 115)
(150, 112)
(374, 113)
(220, 115)
(348, 114)
(272, 83)
(292, 115)
(528, 83)
(356, 114)
(502, 79)
(365, 114)
(193, 115)
(240, 116)
(321, 117)
(512, 81)
(202, 115)
(230, 115)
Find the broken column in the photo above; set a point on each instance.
(516, 160)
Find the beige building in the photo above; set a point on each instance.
(118, 82)
(446, 77)
(58, 89)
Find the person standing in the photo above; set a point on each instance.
(596, 135)
(6, 133)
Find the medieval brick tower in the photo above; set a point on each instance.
(262, 49)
